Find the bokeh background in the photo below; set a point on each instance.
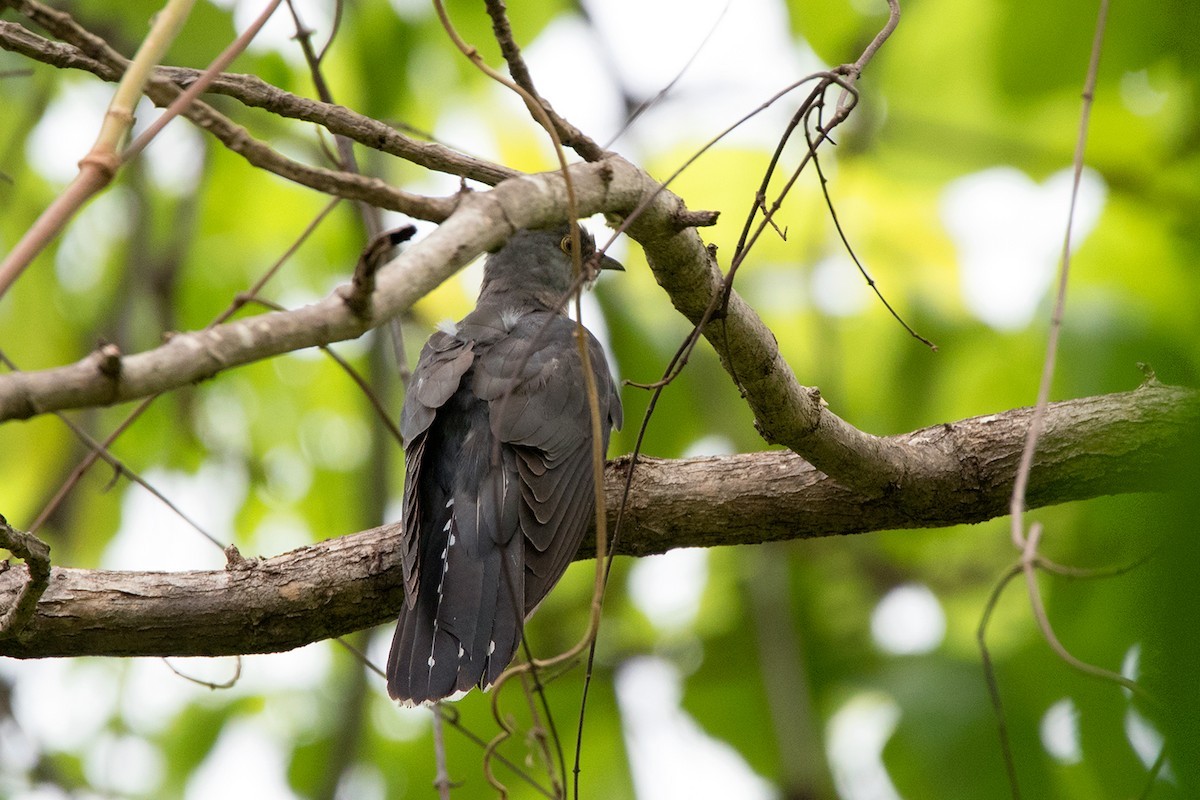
(842, 667)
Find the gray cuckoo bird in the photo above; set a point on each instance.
(498, 479)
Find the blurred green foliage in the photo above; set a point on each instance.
(961, 87)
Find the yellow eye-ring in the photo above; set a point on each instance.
(565, 244)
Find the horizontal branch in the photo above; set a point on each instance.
(1102, 445)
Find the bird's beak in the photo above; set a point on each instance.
(607, 262)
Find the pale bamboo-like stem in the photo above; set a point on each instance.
(97, 168)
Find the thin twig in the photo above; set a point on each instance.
(346, 161)
(385, 415)
(251, 91)
(119, 466)
(162, 91)
(88, 460)
(103, 447)
(837, 224)
(377, 252)
(993, 685)
(226, 684)
(666, 90)
(1020, 486)
(1029, 567)
(571, 136)
(194, 91)
(36, 555)
(100, 164)
(441, 780)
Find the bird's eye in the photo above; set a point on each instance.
(565, 244)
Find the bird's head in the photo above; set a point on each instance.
(540, 262)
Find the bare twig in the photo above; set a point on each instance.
(993, 684)
(372, 220)
(441, 780)
(1017, 508)
(229, 683)
(237, 139)
(571, 136)
(385, 414)
(36, 555)
(254, 92)
(837, 224)
(88, 460)
(100, 164)
(192, 92)
(1029, 567)
(374, 255)
(666, 90)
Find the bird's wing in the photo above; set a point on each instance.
(442, 363)
(534, 384)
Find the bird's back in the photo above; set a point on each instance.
(499, 491)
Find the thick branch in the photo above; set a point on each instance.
(786, 412)
(481, 222)
(1101, 445)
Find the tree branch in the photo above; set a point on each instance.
(252, 91)
(786, 412)
(482, 221)
(236, 138)
(1101, 445)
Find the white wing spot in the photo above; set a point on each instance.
(448, 326)
(450, 502)
(509, 317)
(448, 522)
(461, 652)
(453, 539)
(491, 648)
(431, 662)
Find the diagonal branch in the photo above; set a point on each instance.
(254, 92)
(1101, 445)
(785, 411)
(481, 222)
(236, 138)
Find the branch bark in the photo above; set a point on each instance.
(162, 92)
(482, 221)
(252, 91)
(786, 412)
(1102, 445)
